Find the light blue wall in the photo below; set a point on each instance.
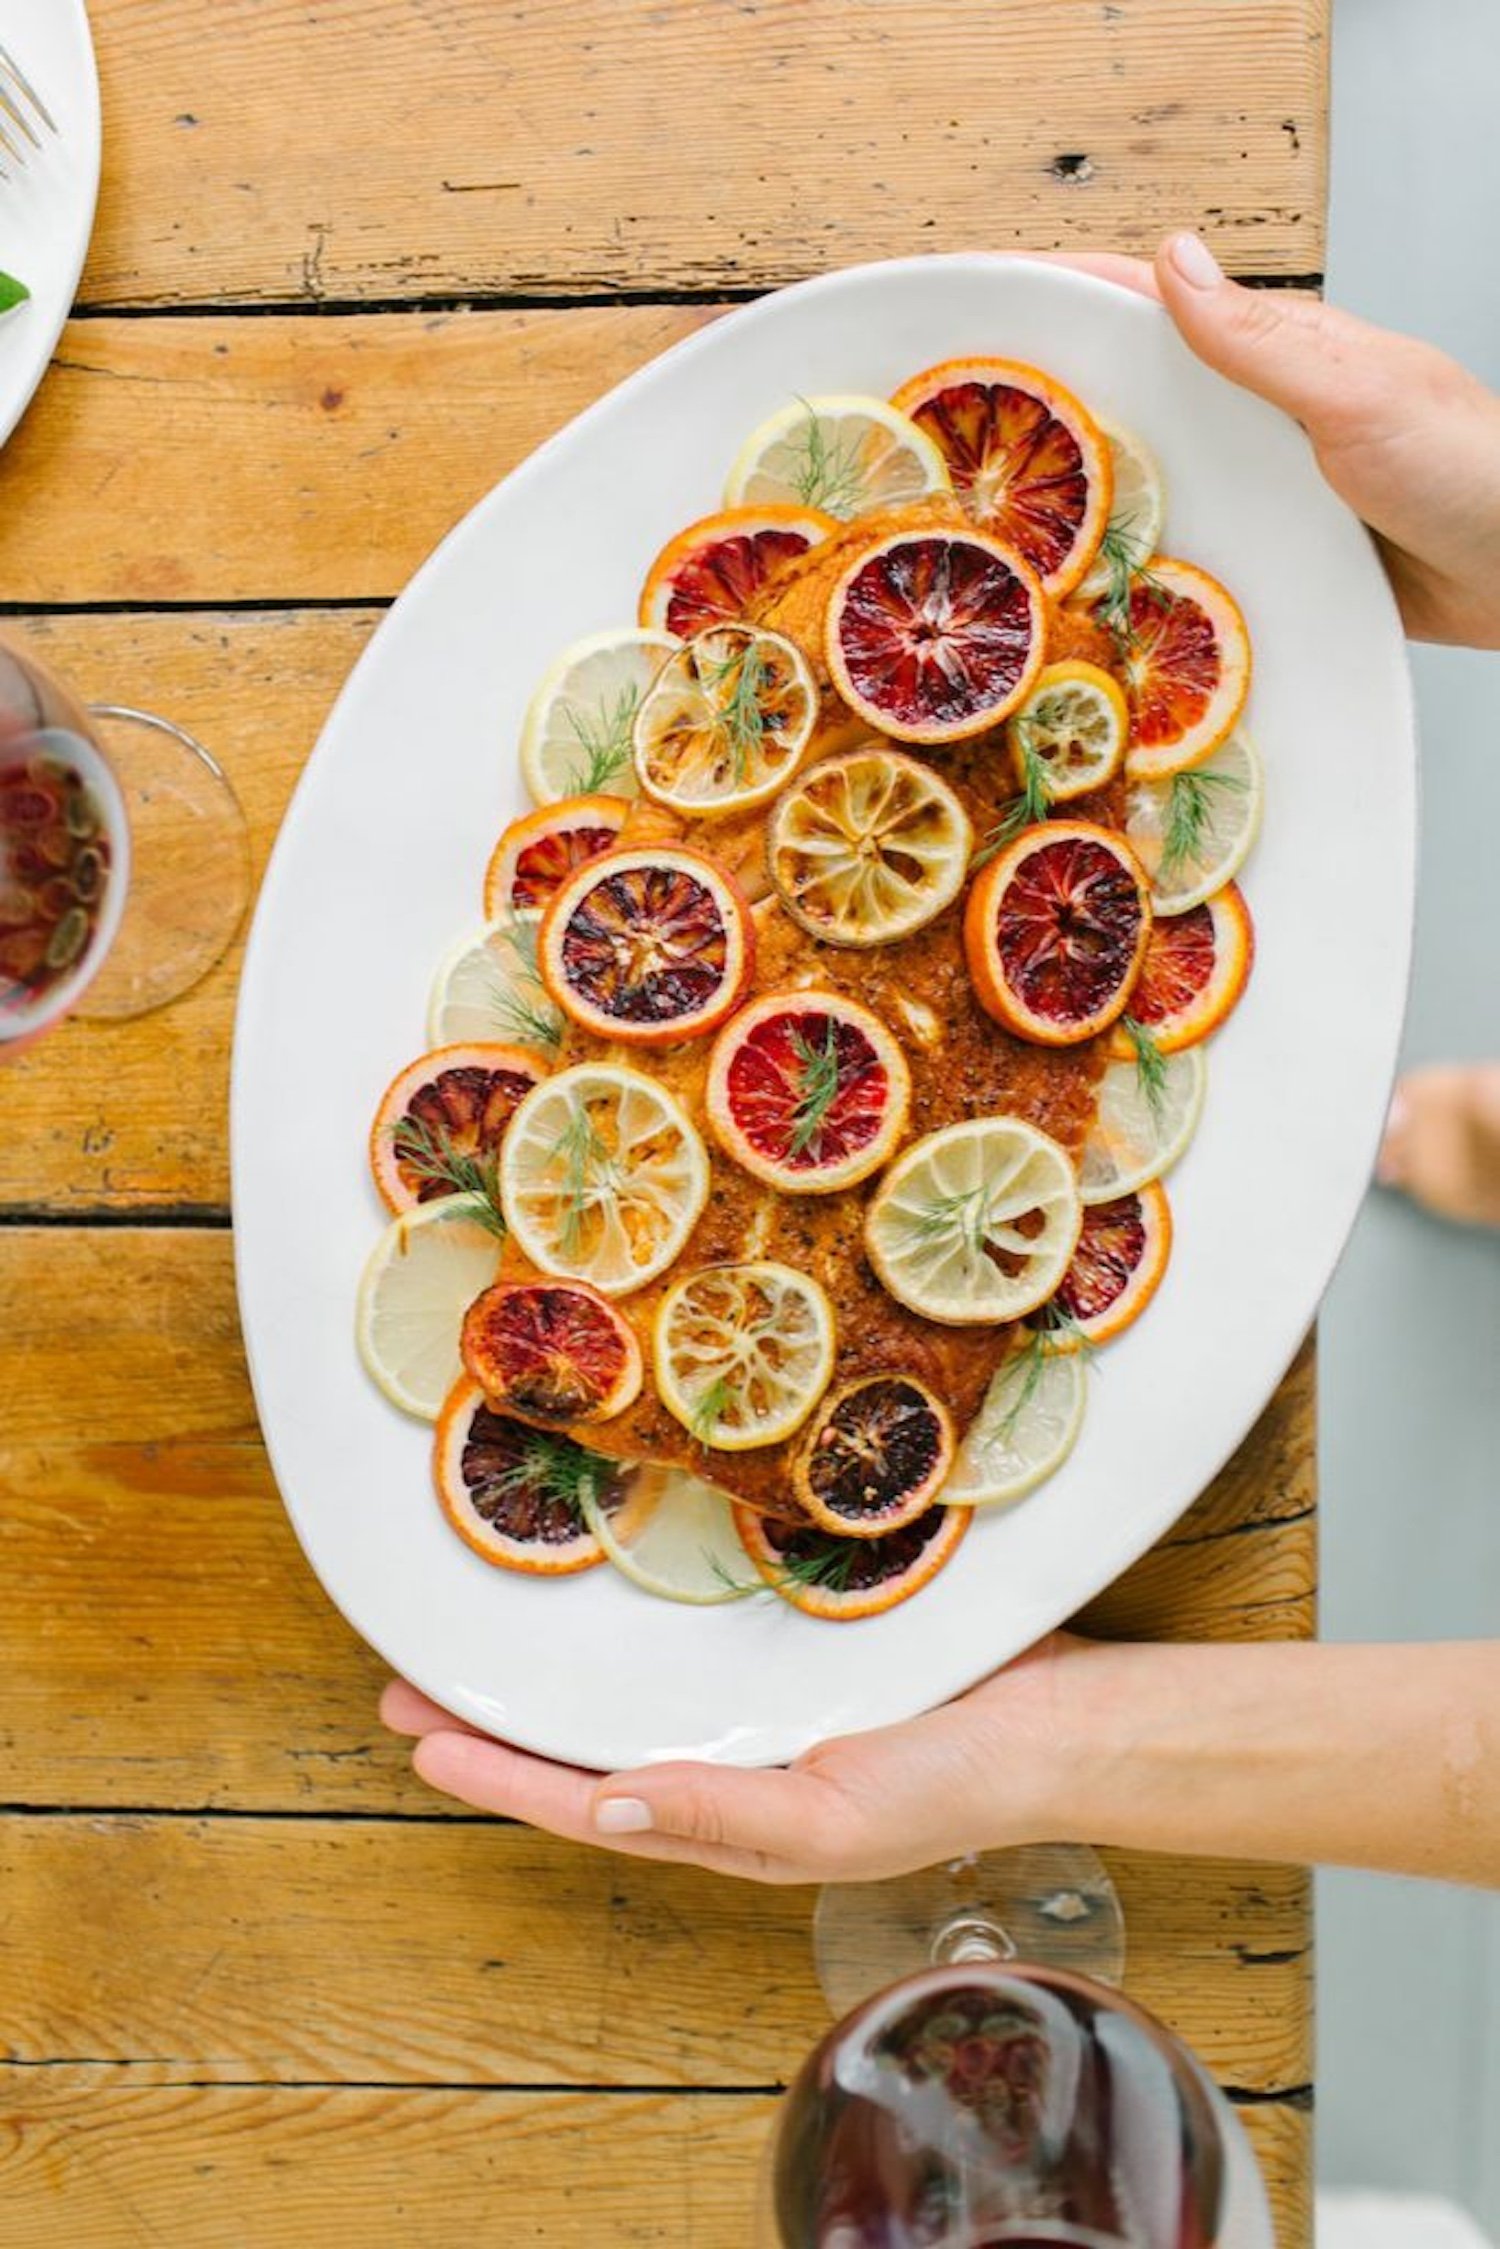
(1410, 1977)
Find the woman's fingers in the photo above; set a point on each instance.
(796, 1817)
(1105, 265)
(404, 1709)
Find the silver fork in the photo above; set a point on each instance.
(20, 102)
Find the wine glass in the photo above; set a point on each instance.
(986, 2100)
(124, 855)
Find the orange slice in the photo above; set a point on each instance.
(1195, 968)
(514, 1493)
(648, 946)
(1117, 1267)
(843, 1579)
(441, 1120)
(1028, 462)
(1055, 931)
(711, 572)
(877, 1456)
(1185, 657)
(808, 1091)
(551, 1351)
(540, 850)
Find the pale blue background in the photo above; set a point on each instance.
(1410, 1976)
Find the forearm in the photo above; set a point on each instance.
(1382, 1757)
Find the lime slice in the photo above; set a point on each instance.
(976, 1222)
(1193, 831)
(575, 738)
(1135, 513)
(674, 1536)
(421, 1277)
(1142, 1124)
(845, 455)
(743, 1353)
(1024, 1431)
(488, 988)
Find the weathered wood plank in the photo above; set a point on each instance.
(162, 1639)
(484, 1953)
(461, 148)
(87, 2159)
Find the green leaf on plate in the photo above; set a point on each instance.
(12, 291)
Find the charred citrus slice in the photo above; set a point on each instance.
(1185, 656)
(1194, 831)
(1069, 735)
(807, 1091)
(975, 1222)
(1055, 931)
(488, 988)
(1144, 1119)
(844, 1579)
(876, 1457)
(537, 853)
(1024, 1431)
(422, 1275)
(935, 635)
(442, 1119)
(1117, 1267)
(674, 1536)
(1026, 460)
(711, 573)
(647, 946)
(517, 1494)
(725, 722)
(868, 847)
(551, 1351)
(1136, 509)
(575, 738)
(743, 1353)
(1196, 966)
(845, 455)
(604, 1179)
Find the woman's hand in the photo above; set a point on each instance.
(1405, 435)
(986, 1770)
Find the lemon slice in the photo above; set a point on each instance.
(868, 847)
(1135, 513)
(1069, 735)
(976, 1222)
(845, 455)
(603, 1176)
(675, 1537)
(421, 1277)
(1144, 1120)
(725, 721)
(1193, 831)
(743, 1353)
(488, 988)
(1024, 1431)
(575, 737)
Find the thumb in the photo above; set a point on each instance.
(1300, 354)
(781, 1815)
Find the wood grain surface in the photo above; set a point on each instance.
(354, 259)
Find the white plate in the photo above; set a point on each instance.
(47, 207)
(378, 868)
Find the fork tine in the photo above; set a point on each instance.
(8, 62)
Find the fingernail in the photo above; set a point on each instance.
(622, 1815)
(1194, 260)
(1388, 1166)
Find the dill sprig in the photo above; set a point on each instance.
(1053, 1322)
(1125, 562)
(604, 736)
(1035, 799)
(741, 712)
(818, 1086)
(827, 476)
(555, 1467)
(710, 1407)
(1150, 1064)
(428, 1150)
(586, 1167)
(522, 1009)
(1189, 824)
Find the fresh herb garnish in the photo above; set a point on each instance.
(12, 291)
(745, 675)
(428, 1151)
(1035, 799)
(603, 736)
(827, 476)
(587, 1172)
(1124, 559)
(1189, 823)
(554, 1467)
(1150, 1064)
(818, 1086)
(710, 1408)
(522, 1009)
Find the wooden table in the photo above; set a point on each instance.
(354, 258)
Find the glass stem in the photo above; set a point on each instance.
(965, 1939)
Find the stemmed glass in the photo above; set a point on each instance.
(999, 2093)
(124, 855)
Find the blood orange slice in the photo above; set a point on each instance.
(441, 1121)
(516, 1494)
(551, 1351)
(1055, 931)
(537, 853)
(647, 946)
(847, 1578)
(877, 1457)
(1185, 656)
(1195, 968)
(807, 1091)
(1027, 461)
(935, 635)
(868, 847)
(711, 573)
(1117, 1267)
